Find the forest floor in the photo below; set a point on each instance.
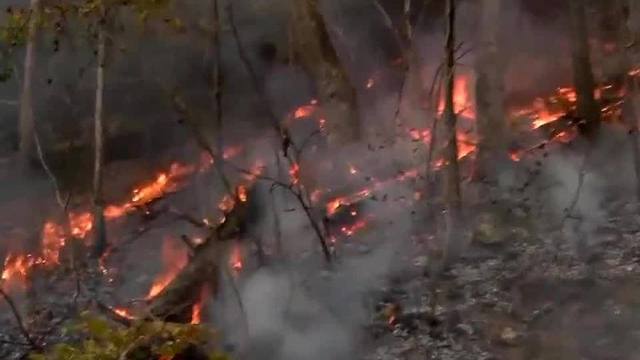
(527, 297)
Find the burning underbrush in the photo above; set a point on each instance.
(360, 201)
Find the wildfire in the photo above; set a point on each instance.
(16, 268)
(174, 258)
(462, 99)
(54, 235)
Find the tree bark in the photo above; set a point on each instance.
(453, 199)
(317, 55)
(100, 236)
(26, 117)
(491, 127)
(631, 31)
(587, 107)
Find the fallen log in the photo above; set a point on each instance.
(175, 302)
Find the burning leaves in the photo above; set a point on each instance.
(80, 224)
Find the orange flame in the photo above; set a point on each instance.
(462, 99)
(235, 258)
(306, 110)
(16, 269)
(352, 229)
(124, 312)
(196, 310)
(294, 173)
(174, 258)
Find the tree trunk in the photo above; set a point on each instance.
(100, 236)
(633, 24)
(26, 120)
(587, 108)
(453, 199)
(317, 55)
(175, 302)
(492, 147)
(631, 31)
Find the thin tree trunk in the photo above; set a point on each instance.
(492, 149)
(315, 52)
(587, 107)
(453, 199)
(100, 236)
(26, 120)
(631, 29)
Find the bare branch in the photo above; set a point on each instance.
(16, 314)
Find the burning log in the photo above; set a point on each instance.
(176, 301)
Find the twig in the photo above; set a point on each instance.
(285, 137)
(191, 219)
(576, 196)
(17, 343)
(389, 24)
(112, 314)
(47, 169)
(217, 93)
(18, 318)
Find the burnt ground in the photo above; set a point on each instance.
(524, 297)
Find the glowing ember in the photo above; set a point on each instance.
(235, 258)
(515, 156)
(242, 193)
(226, 204)
(294, 173)
(352, 229)
(370, 83)
(304, 111)
(333, 205)
(125, 313)
(174, 258)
